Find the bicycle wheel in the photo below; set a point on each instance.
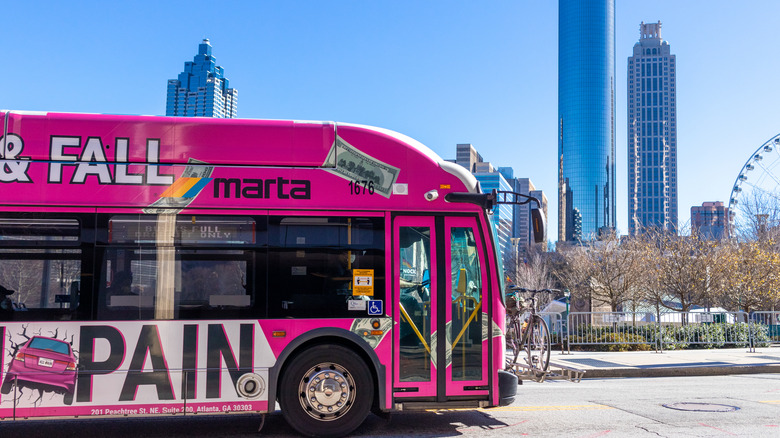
(538, 346)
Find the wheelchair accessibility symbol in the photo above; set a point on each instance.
(375, 307)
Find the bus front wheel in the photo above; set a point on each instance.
(326, 391)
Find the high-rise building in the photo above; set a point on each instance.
(710, 221)
(652, 133)
(586, 118)
(202, 89)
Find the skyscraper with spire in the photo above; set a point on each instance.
(202, 90)
(652, 133)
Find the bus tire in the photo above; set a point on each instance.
(326, 391)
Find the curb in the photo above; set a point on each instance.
(679, 371)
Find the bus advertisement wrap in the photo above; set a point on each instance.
(159, 367)
(124, 368)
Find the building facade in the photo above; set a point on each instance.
(522, 228)
(586, 118)
(202, 90)
(710, 221)
(467, 156)
(652, 133)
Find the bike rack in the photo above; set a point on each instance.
(556, 371)
(565, 372)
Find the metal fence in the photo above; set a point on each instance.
(554, 321)
(668, 330)
(771, 321)
(610, 328)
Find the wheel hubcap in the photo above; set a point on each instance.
(327, 391)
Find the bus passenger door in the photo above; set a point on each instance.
(414, 260)
(441, 336)
(466, 319)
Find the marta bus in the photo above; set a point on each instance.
(183, 266)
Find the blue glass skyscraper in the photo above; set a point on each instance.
(586, 118)
(202, 89)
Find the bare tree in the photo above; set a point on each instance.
(753, 280)
(685, 271)
(609, 271)
(758, 217)
(530, 268)
(534, 272)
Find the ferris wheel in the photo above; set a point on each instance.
(759, 178)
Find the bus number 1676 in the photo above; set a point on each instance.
(361, 187)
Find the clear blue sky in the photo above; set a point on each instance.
(441, 71)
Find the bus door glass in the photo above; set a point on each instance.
(442, 336)
(466, 313)
(415, 337)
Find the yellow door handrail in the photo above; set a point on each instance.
(414, 327)
(466, 325)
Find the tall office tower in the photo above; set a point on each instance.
(710, 221)
(586, 118)
(652, 134)
(202, 89)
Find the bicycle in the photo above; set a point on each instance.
(530, 335)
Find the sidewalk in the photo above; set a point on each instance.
(671, 363)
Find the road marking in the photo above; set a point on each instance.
(719, 430)
(548, 408)
(527, 408)
(597, 434)
(770, 401)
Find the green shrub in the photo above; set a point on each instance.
(610, 342)
(623, 342)
(645, 337)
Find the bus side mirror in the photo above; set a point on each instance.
(537, 220)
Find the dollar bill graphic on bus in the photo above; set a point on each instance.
(195, 169)
(351, 164)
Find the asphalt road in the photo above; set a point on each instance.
(711, 406)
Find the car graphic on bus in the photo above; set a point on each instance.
(43, 363)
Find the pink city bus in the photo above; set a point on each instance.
(184, 266)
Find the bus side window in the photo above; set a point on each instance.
(182, 267)
(38, 289)
(215, 288)
(313, 260)
(40, 258)
(122, 295)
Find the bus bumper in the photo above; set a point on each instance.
(507, 388)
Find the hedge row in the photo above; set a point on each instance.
(646, 337)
